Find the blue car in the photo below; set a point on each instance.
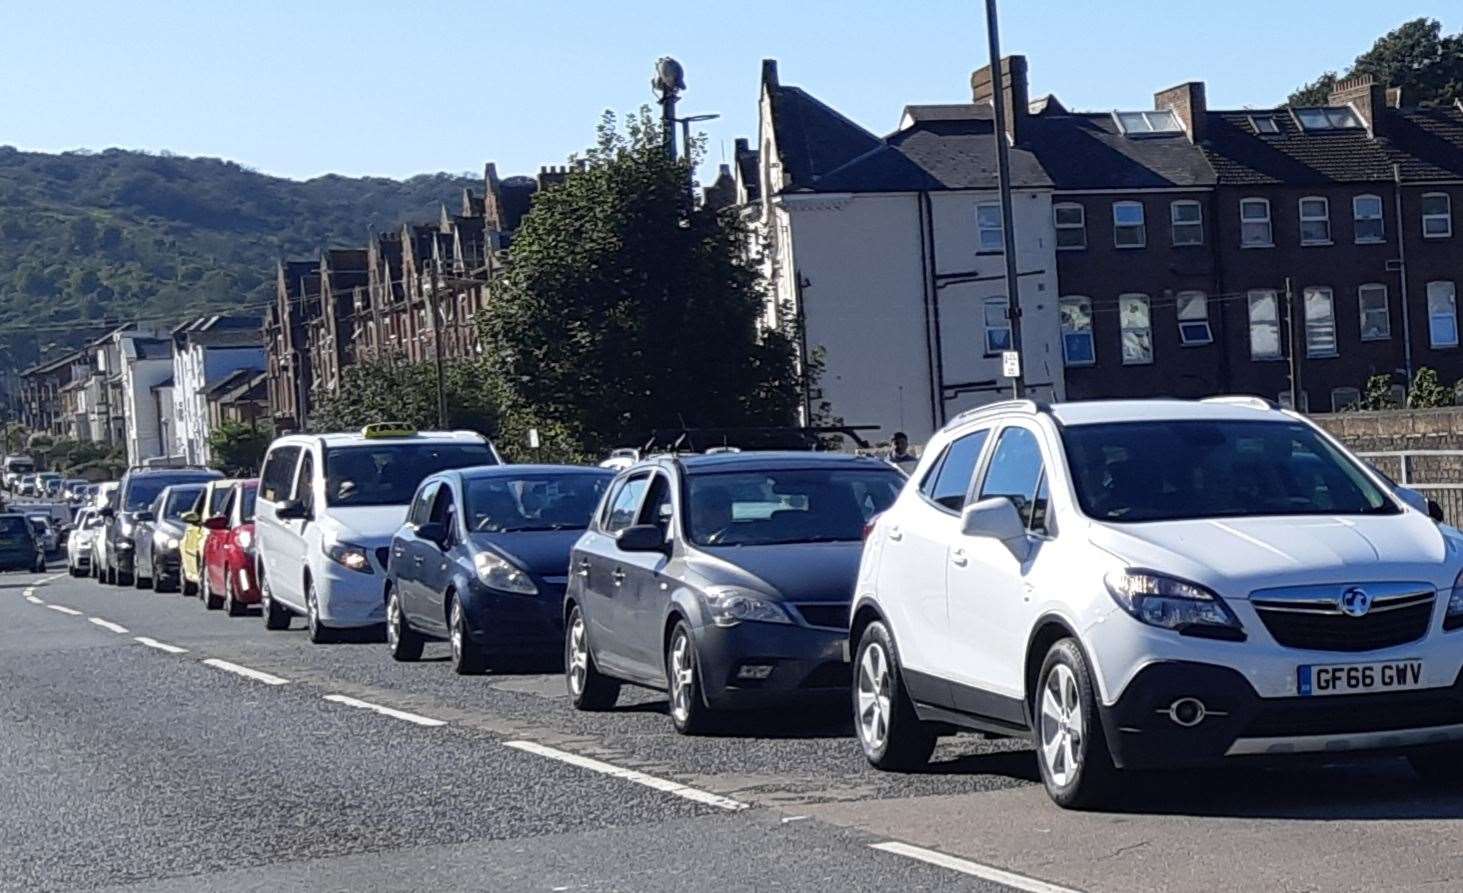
(482, 561)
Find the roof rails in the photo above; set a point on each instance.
(1031, 407)
(1246, 400)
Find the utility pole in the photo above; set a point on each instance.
(1003, 179)
(1293, 345)
(435, 310)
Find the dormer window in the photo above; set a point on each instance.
(1265, 125)
(1327, 118)
(1148, 123)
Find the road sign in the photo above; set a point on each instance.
(1011, 364)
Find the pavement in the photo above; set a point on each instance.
(150, 744)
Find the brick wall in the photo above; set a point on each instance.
(1409, 429)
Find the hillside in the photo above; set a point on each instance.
(89, 237)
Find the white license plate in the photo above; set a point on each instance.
(1349, 679)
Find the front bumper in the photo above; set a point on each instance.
(349, 598)
(1238, 722)
(806, 664)
(509, 623)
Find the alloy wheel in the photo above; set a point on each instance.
(456, 631)
(683, 677)
(1061, 725)
(578, 656)
(874, 703)
(393, 621)
(312, 612)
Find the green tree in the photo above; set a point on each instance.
(624, 308)
(1378, 394)
(1416, 56)
(238, 449)
(407, 392)
(1427, 392)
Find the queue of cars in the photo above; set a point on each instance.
(1129, 584)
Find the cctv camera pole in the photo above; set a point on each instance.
(1003, 178)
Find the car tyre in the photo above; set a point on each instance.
(589, 689)
(188, 589)
(688, 710)
(1071, 748)
(232, 606)
(141, 582)
(405, 644)
(276, 616)
(890, 732)
(211, 602)
(468, 657)
(1439, 766)
(320, 634)
(121, 579)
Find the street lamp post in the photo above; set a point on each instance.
(1003, 179)
(669, 81)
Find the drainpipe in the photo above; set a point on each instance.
(1402, 274)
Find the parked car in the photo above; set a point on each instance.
(45, 533)
(482, 561)
(20, 549)
(26, 486)
(51, 484)
(157, 537)
(1143, 584)
(135, 492)
(723, 579)
(327, 508)
(105, 495)
(79, 544)
(228, 577)
(16, 467)
(210, 503)
(74, 490)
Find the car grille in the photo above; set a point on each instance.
(831, 615)
(1319, 625)
(383, 555)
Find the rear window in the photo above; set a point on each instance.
(246, 511)
(180, 500)
(14, 529)
(758, 508)
(143, 489)
(389, 473)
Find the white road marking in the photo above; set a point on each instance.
(974, 869)
(386, 711)
(161, 646)
(107, 624)
(33, 600)
(65, 610)
(256, 675)
(28, 591)
(650, 781)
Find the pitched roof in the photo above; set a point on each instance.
(1293, 156)
(1085, 150)
(938, 153)
(812, 139)
(231, 381)
(1427, 143)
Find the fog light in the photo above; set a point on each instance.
(1187, 712)
(754, 671)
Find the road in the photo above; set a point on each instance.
(149, 744)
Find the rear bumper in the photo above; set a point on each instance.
(246, 588)
(806, 664)
(1237, 722)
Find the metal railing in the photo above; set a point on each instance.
(1436, 474)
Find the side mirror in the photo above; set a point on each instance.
(192, 518)
(144, 516)
(217, 522)
(1413, 498)
(642, 538)
(432, 532)
(996, 518)
(1435, 511)
(108, 512)
(291, 510)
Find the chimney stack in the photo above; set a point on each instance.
(1188, 103)
(1368, 97)
(1016, 93)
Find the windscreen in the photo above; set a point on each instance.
(389, 473)
(759, 508)
(180, 501)
(539, 501)
(14, 530)
(142, 490)
(1171, 470)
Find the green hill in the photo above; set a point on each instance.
(90, 237)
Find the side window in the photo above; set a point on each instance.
(305, 483)
(444, 511)
(1016, 473)
(421, 507)
(949, 481)
(658, 508)
(278, 473)
(626, 501)
(227, 509)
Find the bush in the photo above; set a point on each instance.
(1427, 392)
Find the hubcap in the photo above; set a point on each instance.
(312, 612)
(393, 621)
(873, 697)
(683, 677)
(456, 630)
(1061, 725)
(578, 656)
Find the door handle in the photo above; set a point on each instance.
(896, 534)
(584, 567)
(619, 576)
(958, 558)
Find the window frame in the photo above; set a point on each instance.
(1356, 218)
(1432, 340)
(1064, 331)
(1260, 131)
(1123, 329)
(1305, 304)
(1184, 339)
(1174, 223)
(1250, 298)
(977, 469)
(976, 492)
(612, 492)
(981, 229)
(985, 322)
(1269, 221)
(1079, 227)
(1446, 215)
(1120, 116)
(1386, 311)
(1325, 217)
(294, 465)
(1141, 225)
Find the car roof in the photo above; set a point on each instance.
(774, 459)
(355, 438)
(1089, 412)
(475, 472)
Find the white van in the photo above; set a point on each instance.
(327, 507)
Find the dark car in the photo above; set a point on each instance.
(158, 536)
(20, 549)
(135, 493)
(724, 580)
(483, 559)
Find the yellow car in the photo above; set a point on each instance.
(210, 503)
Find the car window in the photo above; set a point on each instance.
(279, 473)
(246, 511)
(626, 501)
(13, 530)
(388, 473)
(217, 499)
(421, 507)
(180, 501)
(143, 489)
(657, 509)
(444, 511)
(949, 480)
(535, 500)
(1015, 472)
(305, 482)
(783, 506)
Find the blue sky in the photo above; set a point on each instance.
(396, 88)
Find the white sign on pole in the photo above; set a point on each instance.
(1010, 364)
(533, 438)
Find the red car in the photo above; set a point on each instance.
(228, 578)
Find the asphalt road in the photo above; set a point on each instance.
(257, 761)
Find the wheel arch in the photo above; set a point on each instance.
(865, 612)
(1048, 629)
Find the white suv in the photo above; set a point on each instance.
(1146, 584)
(327, 507)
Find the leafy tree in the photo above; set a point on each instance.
(1378, 393)
(624, 308)
(385, 391)
(1426, 391)
(238, 449)
(1416, 56)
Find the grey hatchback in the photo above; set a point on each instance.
(724, 580)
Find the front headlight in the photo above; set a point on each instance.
(730, 605)
(1454, 619)
(497, 573)
(348, 555)
(1169, 603)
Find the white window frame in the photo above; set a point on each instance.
(1190, 332)
(1146, 331)
(1175, 223)
(1446, 216)
(982, 229)
(1268, 220)
(1142, 225)
(1166, 116)
(1251, 297)
(1068, 331)
(1385, 332)
(1324, 217)
(1080, 226)
(1357, 217)
(1345, 398)
(1273, 130)
(1435, 289)
(998, 302)
(1319, 324)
